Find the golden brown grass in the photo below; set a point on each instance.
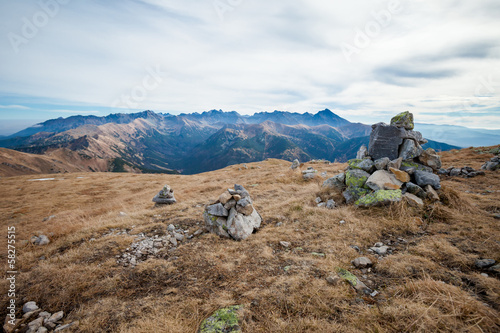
(428, 284)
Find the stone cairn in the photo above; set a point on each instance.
(492, 165)
(394, 166)
(35, 320)
(232, 215)
(165, 196)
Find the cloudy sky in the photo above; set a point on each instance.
(363, 59)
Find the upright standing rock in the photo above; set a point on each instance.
(362, 152)
(384, 141)
(165, 196)
(404, 119)
(295, 164)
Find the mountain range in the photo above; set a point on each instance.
(189, 143)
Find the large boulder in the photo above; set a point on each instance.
(379, 198)
(423, 179)
(404, 119)
(165, 196)
(384, 141)
(236, 219)
(383, 180)
(337, 182)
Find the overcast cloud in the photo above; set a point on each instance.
(438, 59)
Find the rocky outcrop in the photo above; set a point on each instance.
(232, 215)
(165, 196)
(395, 164)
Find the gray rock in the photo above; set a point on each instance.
(217, 210)
(366, 165)
(384, 141)
(423, 178)
(245, 202)
(491, 166)
(382, 250)
(362, 262)
(34, 325)
(63, 327)
(485, 263)
(318, 200)
(381, 163)
(455, 172)
(172, 240)
(56, 317)
(431, 193)
(356, 178)
(336, 182)
(243, 226)
(362, 152)
(331, 204)
(230, 204)
(178, 236)
(443, 172)
(396, 164)
(29, 306)
(413, 135)
(42, 330)
(309, 176)
(351, 194)
(383, 180)
(404, 120)
(285, 244)
(413, 200)
(241, 191)
(416, 190)
(170, 227)
(295, 164)
(430, 158)
(44, 314)
(40, 240)
(321, 204)
(410, 150)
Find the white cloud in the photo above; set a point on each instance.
(430, 57)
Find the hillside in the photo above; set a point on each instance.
(427, 283)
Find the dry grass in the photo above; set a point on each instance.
(428, 284)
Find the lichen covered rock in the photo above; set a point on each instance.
(224, 320)
(379, 198)
(404, 119)
(356, 178)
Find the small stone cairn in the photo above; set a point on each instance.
(492, 165)
(35, 320)
(394, 166)
(165, 196)
(232, 215)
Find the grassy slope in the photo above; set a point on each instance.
(429, 284)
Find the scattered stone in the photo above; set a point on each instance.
(295, 164)
(333, 280)
(56, 317)
(404, 120)
(45, 314)
(353, 281)
(42, 330)
(285, 244)
(321, 204)
(165, 196)
(380, 250)
(362, 262)
(123, 214)
(466, 172)
(40, 240)
(341, 222)
(48, 218)
(171, 228)
(34, 325)
(484, 274)
(423, 178)
(413, 200)
(29, 307)
(318, 200)
(330, 204)
(63, 327)
(492, 165)
(223, 320)
(309, 174)
(485, 263)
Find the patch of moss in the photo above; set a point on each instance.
(222, 321)
(356, 178)
(379, 198)
(348, 276)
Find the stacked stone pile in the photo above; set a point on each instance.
(35, 320)
(309, 173)
(165, 196)
(392, 168)
(232, 215)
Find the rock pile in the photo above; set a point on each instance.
(492, 165)
(466, 172)
(330, 204)
(232, 215)
(165, 196)
(395, 167)
(44, 322)
(146, 247)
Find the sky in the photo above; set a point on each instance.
(366, 60)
